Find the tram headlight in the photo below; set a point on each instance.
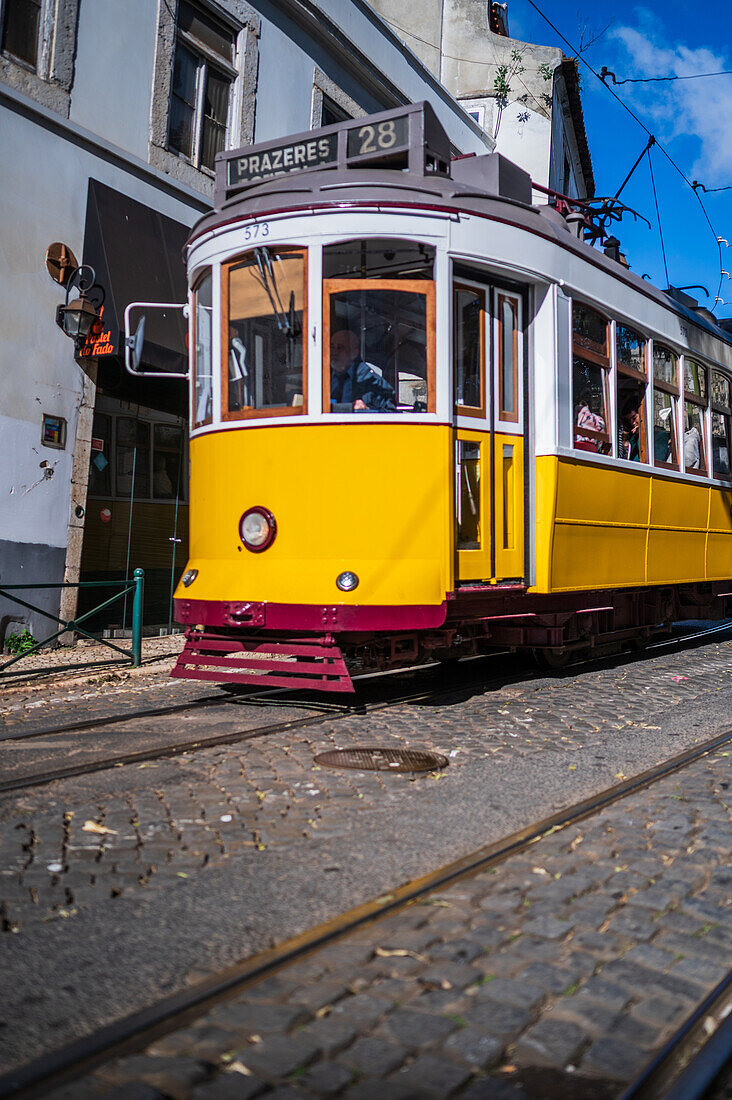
(257, 529)
(189, 577)
(347, 581)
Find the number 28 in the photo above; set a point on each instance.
(374, 138)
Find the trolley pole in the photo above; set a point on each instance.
(139, 577)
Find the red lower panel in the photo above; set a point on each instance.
(316, 618)
(263, 664)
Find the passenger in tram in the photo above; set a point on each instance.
(630, 431)
(585, 418)
(662, 449)
(355, 384)
(692, 446)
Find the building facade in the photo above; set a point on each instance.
(110, 118)
(525, 96)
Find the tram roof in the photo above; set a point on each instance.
(416, 171)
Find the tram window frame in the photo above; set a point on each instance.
(208, 418)
(700, 402)
(424, 287)
(504, 415)
(594, 356)
(718, 408)
(660, 385)
(274, 411)
(640, 377)
(479, 411)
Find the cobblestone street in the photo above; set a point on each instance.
(583, 955)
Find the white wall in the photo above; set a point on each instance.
(113, 78)
(44, 191)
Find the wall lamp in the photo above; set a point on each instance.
(76, 318)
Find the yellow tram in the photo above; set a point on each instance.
(427, 419)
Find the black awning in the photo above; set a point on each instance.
(137, 255)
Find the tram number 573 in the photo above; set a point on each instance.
(374, 139)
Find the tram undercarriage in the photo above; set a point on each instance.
(477, 619)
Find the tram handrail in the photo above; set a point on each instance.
(136, 586)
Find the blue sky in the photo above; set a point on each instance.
(692, 118)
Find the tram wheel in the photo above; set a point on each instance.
(552, 659)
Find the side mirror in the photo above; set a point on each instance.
(134, 341)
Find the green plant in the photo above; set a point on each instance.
(20, 643)
(502, 84)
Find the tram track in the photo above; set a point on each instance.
(688, 1065)
(136, 1031)
(325, 712)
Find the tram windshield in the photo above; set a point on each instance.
(379, 307)
(264, 296)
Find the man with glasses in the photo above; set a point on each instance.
(355, 385)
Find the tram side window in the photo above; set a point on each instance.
(632, 381)
(468, 496)
(695, 401)
(379, 309)
(508, 355)
(264, 356)
(665, 400)
(469, 345)
(721, 394)
(202, 360)
(590, 371)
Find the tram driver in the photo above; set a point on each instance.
(355, 384)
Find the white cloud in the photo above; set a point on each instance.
(700, 109)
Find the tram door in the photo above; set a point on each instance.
(489, 443)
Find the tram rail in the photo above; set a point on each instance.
(688, 1065)
(326, 712)
(134, 1032)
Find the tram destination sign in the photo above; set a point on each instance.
(278, 160)
(406, 137)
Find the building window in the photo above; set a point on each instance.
(330, 104)
(203, 73)
(138, 458)
(204, 86)
(331, 113)
(21, 26)
(37, 49)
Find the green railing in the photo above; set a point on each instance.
(135, 586)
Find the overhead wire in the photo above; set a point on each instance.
(658, 215)
(654, 79)
(640, 122)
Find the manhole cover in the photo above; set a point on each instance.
(383, 760)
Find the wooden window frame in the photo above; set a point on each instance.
(675, 393)
(194, 344)
(703, 404)
(579, 351)
(637, 376)
(515, 300)
(477, 411)
(275, 410)
(601, 359)
(415, 286)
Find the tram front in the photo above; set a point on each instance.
(322, 454)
